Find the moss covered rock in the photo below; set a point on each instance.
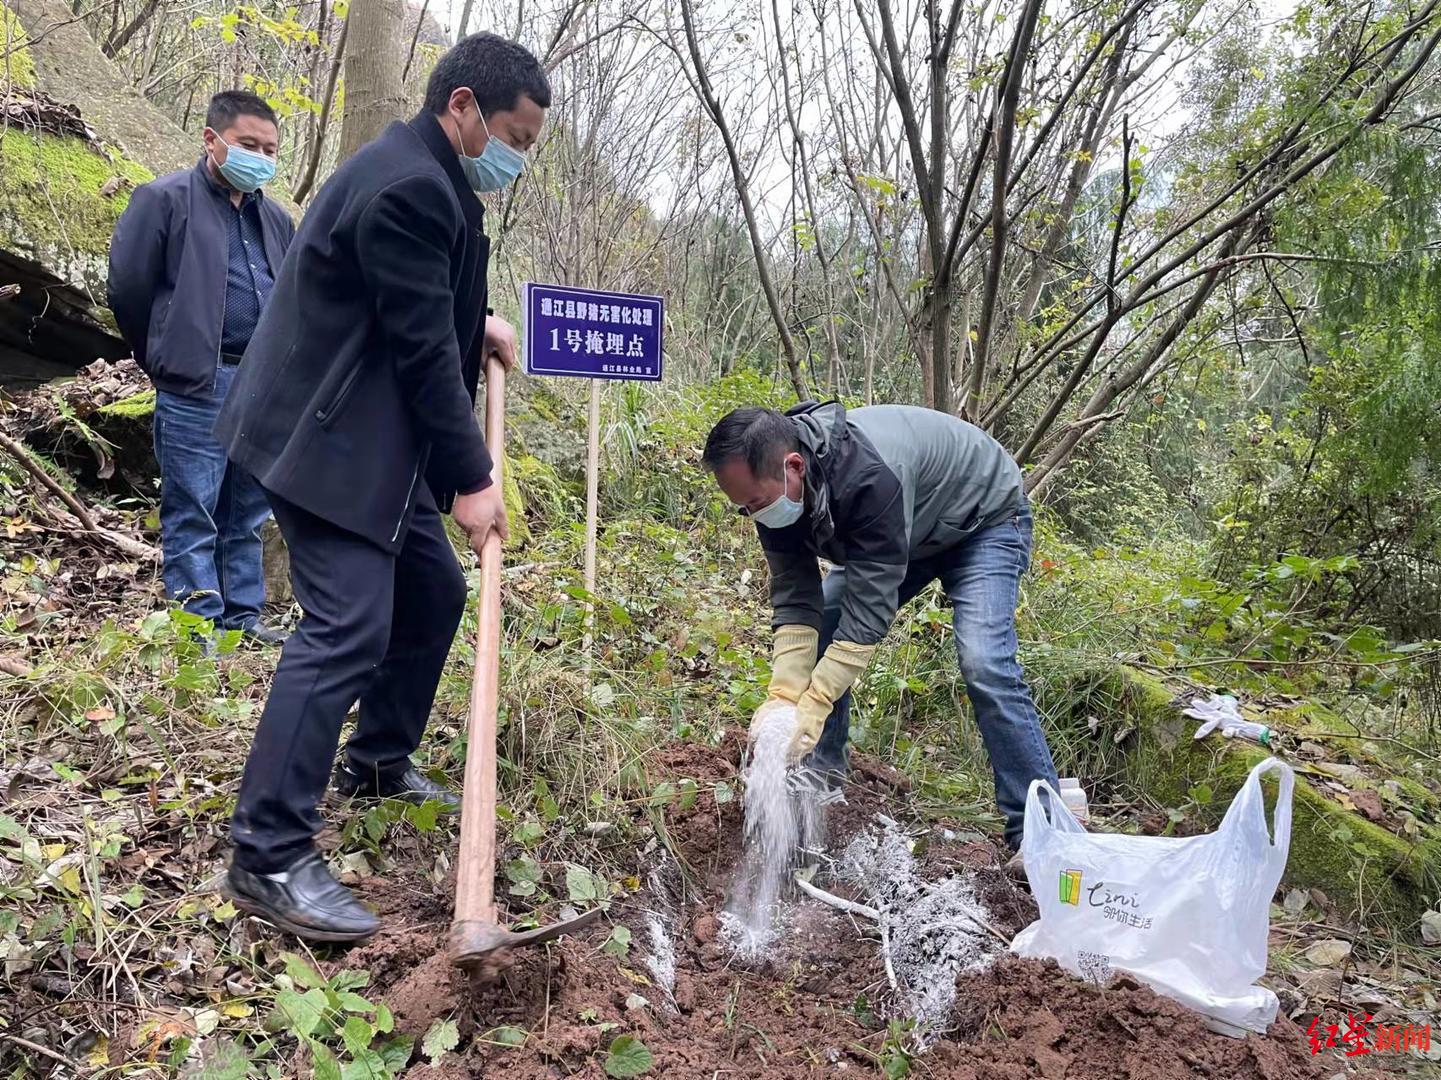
(59, 200)
(514, 505)
(126, 426)
(78, 137)
(14, 46)
(136, 407)
(67, 64)
(546, 496)
(515, 512)
(1363, 867)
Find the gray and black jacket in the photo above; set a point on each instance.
(885, 484)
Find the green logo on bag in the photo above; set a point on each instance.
(1070, 887)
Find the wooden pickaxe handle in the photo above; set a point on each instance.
(475, 870)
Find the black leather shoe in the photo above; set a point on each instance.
(304, 900)
(259, 634)
(411, 786)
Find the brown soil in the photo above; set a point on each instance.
(817, 1008)
(1027, 1018)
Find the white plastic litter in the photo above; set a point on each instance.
(1224, 712)
(1074, 796)
(1186, 915)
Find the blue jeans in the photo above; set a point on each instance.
(981, 577)
(210, 512)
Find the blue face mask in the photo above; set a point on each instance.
(245, 170)
(497, 165)
(780, 514)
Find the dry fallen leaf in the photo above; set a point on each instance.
(1319, 984)
(1431, 928)
(1328, 952)
(1296, 901)
(1369, 804)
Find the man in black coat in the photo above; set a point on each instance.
(355, 409)
(192, 264)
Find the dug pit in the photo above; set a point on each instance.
(820, 1002)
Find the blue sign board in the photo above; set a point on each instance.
(592, 335)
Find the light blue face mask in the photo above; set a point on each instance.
(497, 165)
(245, 170)
(780, 514)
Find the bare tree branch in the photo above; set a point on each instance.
(713, 110)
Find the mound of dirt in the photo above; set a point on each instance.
(816, 1006)
(1027, 1018)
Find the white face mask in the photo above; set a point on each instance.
(783, 512)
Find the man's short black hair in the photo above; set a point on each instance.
(495, 69)
(759, 437)
(228, 104)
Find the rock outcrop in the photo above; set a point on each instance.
(75, 139)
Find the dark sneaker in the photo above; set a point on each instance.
(824, 787)
(259, 634)
(303, 900)
(821, 776)
(411, 786)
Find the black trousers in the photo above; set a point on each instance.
(377, 629)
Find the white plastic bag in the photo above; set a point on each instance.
(1186, 915)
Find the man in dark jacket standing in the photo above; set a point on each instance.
(355, 409)
(192, 264)
(895, 497)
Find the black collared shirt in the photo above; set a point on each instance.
(248, 275)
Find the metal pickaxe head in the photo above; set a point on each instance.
(483, 946)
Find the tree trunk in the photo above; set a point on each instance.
(374, 67)
(121, 38)
(1005, 140)
(464, 27)
(942, 296)
(322, 34)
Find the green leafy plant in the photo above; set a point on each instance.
(584, 887)
(442, 1037)
(510, 1037)
(627, 1056)
(895, 1059)
(1197, 797)
(618, 943)
(344, 1032)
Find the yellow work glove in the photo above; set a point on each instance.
(839, 668)
(793, 655)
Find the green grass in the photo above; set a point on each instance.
(135, 740)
